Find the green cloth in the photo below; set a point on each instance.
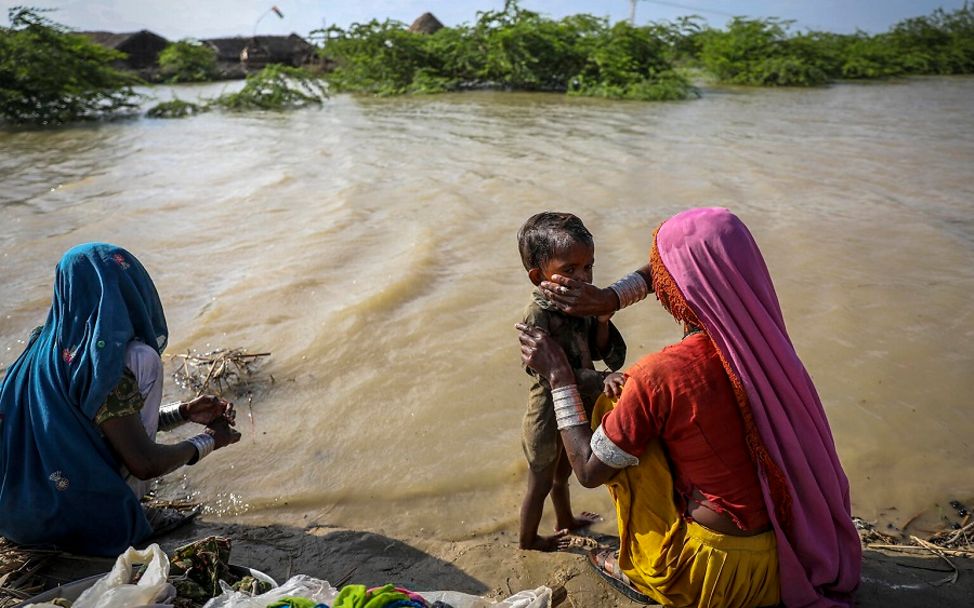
(356, 596)
(294, 602)
(386, 595)
(351, 596)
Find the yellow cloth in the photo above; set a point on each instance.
(681, 563)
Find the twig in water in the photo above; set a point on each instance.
(250, 408)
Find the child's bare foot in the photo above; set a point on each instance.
(584, 520)
(559, 541)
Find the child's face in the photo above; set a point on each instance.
(576, 262)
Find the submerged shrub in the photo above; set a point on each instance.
(49, 75)
(276, 87)
(175, 108)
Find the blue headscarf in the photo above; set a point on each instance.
(59, 480)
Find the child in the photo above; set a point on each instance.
(558, 243)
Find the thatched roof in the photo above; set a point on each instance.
(293, 49)
(114, 40)
(227, 49)
(425, 24)
(142, 47)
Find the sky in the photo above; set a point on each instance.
(175, 19)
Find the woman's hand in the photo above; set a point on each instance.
(222, 434)
(542, 354)
(578, 298)
(206, 409)
(612, 387)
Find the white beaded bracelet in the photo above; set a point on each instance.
(170, 417)
(569, 410)
(630, 289)
(204, 444)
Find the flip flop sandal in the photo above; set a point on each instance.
(165, 520)
(599, 560)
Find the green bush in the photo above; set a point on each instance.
(375, 57)
(507, 49)
(764, 52)
(188, 61)
(761, 52)
(864, 56)
(942, 43)
(523, 50)
(51, 76)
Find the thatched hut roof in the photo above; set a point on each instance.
(227, 49)
(425, 24)
(142, 47)
(290, 50)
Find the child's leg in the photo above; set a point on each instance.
(562, 501)
(539, 485)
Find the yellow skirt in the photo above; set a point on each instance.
(678, 562)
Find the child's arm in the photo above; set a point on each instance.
(600, 340)
(535, 316)
(606, 343)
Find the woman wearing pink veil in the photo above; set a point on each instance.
(718, 454)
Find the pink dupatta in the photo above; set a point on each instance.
(718, 268)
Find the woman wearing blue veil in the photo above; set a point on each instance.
(80, 407)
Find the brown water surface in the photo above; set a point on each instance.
(370, 246)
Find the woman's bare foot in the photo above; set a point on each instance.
(584, 520)
(559, 541)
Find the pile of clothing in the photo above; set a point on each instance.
(357, 596)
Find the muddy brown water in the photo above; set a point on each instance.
(370, 246)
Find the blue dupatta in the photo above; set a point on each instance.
(59, 480)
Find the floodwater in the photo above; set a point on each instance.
(370, 246)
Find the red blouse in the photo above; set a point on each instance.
(682, 396)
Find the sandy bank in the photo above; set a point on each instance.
(493, 566)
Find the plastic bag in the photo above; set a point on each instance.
(115, 591)
(538, 598)
(300, 586)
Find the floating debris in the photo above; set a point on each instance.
(220, 372)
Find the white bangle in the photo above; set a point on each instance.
(204, 444)
(170, 417)
(569, 410)
(630, 289)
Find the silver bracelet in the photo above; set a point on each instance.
(170, 417)
(569, 410)
(204, 444)
(630, 289)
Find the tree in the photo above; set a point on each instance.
(188, 61)
(49, 75)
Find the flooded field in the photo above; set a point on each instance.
(370, 246)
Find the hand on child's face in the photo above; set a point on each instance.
(575, 263)
(613, 384)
